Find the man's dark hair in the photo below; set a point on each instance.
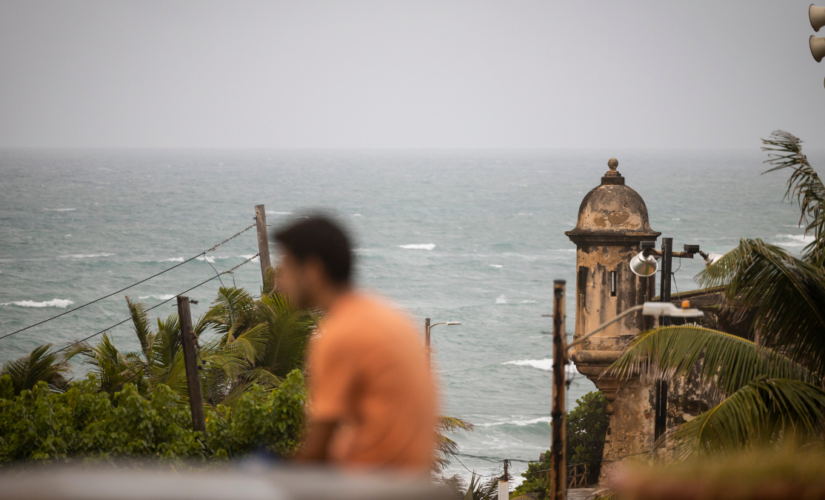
(319, 237)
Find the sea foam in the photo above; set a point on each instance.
(61, 303)
(794, 240)
(545, 364)
(159, 297)
(418, 246)
(520, 423)
(87, 255)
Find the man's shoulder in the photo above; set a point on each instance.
(362, 312)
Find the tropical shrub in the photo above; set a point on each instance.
(586, 432)
(40, 425)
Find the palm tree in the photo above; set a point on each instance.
(446, 446)
(113, 368)
(771, 387)
(39, 365)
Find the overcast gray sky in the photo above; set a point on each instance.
(411, 74)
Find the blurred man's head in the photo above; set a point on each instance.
(316, 263)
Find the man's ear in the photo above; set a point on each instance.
(315, 270)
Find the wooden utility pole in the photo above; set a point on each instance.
(558, 465)
(660, 417)
(263, 241)
(190, 355)
(427, 338)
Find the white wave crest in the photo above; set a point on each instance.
(206, 258)
(60, 209)
(61, 303)
(87, 255)
(520, 423)
(159, 297)
(173, 259)
(794, 240)
(545, 364)
(272, 212)
(501, 299)
(418, 246)
(497, 266)
(527, 302)
(256, 259)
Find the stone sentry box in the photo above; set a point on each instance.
(612, 223)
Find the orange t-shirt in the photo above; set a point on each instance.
(368, 370)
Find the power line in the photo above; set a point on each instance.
(491, 459)
(471, 471)
(156, 305)
(128, 287)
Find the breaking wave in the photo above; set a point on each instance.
(794, 240)
(520, 423)
(545, 364)
(159, 297)
(421, 246)
(87, 255)
(61, 303)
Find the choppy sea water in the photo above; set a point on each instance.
(469, 236)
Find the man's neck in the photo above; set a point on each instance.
(329, 296)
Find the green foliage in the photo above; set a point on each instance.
(586, 432)
(785, 151)
(260, 420)
(41, 365)
(84, 423)
(727, 361)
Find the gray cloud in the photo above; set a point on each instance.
(406, 73)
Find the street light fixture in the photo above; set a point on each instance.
(428, 327)
(649, 309)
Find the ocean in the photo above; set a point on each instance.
(472, 236)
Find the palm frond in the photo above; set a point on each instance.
(785, 293)
(453, 424)
(230, 311)
(39, 365)
(785, 151)
(289, 331)
(727, 361)
(761, 411)
(141, 325)
(114, 368)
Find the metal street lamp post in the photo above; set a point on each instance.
(428, 327)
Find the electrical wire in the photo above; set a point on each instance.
(156, 305)
(128, 287)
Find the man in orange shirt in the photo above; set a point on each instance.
(372, 399)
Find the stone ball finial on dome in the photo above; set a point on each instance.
(613, 164)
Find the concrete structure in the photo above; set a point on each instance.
(612, 223)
